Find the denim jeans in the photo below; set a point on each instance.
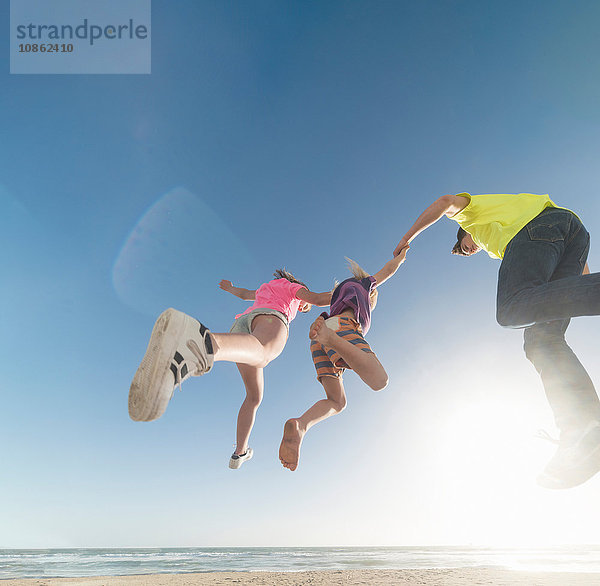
(540, 287)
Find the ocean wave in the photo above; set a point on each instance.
(93, 562)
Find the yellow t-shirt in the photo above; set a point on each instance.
(493, 220)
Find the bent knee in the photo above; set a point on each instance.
(380, 382)
(266, 358)
(340, 405)
(269, 355)
(513, 315)
(504, 318)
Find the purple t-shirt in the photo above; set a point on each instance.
(353, 294)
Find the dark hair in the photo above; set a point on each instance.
(285, 274)
(456, 249)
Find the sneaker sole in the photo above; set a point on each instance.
(150, 393)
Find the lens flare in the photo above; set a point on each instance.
(179, 249)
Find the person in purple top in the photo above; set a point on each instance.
(337, 344)
(354, 293)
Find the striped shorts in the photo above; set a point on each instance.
(326, 360)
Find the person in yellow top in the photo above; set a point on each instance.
(543, 281)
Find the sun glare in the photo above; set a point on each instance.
(468, 465)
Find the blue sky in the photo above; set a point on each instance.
(289, 134)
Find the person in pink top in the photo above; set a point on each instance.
(278, 294)
(181, 347)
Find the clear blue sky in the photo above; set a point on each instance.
(289, 134)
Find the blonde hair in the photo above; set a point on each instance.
(360, 273)
(356, 269)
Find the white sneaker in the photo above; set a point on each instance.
(236, 461)
(576, 460)
(179, 348)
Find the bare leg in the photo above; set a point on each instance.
(295, 429)
(254, 383)
(365, 364)
(268, 339)
(266, 342)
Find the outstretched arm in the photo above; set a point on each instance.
(390, 267)
(246, 294)
(447, 205)
(318, 299)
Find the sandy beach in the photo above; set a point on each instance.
(443, 577)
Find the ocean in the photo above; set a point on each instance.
(46, 563)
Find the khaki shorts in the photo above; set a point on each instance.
(243, 324)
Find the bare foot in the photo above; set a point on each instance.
(289, 450)
(320, 332)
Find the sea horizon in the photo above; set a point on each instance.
(87, 561)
